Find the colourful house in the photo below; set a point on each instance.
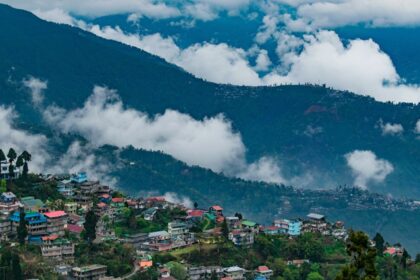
(79, 178)
(37, 223)
(294, 228)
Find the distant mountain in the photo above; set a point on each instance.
(308, 128)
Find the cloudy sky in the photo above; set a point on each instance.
(295, 41)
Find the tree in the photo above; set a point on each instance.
(90, 226)
(195, 205)
(238, 215)
(379, 244)
(11, 155)
(10, 266)
(22, 230)
(132, 221)
(2, 156)
(404, 258)
(314, 276)
(3, 185)
(19, 162)
(417, 259)
(362, 259)
(178, 271)
(27, 157)
(225, 229)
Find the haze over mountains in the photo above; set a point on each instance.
(65, 92)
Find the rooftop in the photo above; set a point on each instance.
(315, 216)
(55, 214)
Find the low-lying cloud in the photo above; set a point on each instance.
(20, 140)
(367, 168)
(391, 128)
(211, 143)
(36, 88)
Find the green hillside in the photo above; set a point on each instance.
(271, 120)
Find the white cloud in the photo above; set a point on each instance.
(97, 8)
(20, 140)
(263, 62)
(103, 120)
(391, 128)
(178, 199)
(417, 128)
(209, 143)
(36, 88)
(336, 13)
(265, 169)
(321, 58)
(367, 168)
(360, 67)
(218, 63)
(79, 158)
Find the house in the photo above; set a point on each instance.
(101, 208)
(149, 214)
(79, 178)
(393, 251)
(232, 222)
(5, 225)
(216, 210)
(242, 237)
(271, 230)
(294, 228)
(158, 236)
(117, 202)
(136, 239)
(74, 229)
(31, 203)
(234, 272)
(246, 224)
(297, 263)
(54, 247)
(316, 218)
(9, 202)
(65, 188)
(90, 272)
(70, 207)
(36, 223)
(177, 229)
(282, 224)
(195, 215)
(145, 262)
(56, 222)
(264, 271)
(4, 170)
(204, 272)
(62, 270)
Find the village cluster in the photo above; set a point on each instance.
(48, 227)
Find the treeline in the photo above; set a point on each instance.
(14, 160)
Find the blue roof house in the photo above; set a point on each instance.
(294, 228)
(79, 178)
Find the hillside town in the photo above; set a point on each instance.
(79, 212)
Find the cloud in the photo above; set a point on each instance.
(265, 169)
(367, 168)
(320, 58)
(417, 128)
(178, 199)
(218, 63)
(337, 13)
(20, 140)
(210, 143)
(97, 8)
(360, 67)
(36, 88)
(391, 128)
(157, 9)
(79, 158)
